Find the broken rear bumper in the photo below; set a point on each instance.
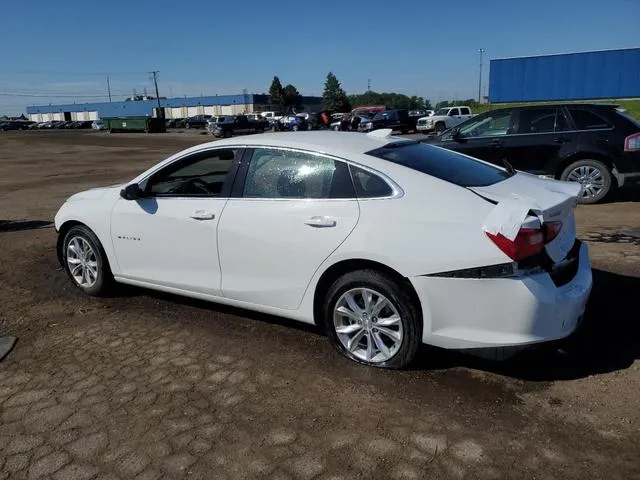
(471, 313)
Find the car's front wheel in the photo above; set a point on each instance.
(372, 319)
(594, 176)
(439, 128)
(85, 262)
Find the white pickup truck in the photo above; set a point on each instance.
(443, 119)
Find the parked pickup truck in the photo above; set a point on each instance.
(443, 119)
(229, 126)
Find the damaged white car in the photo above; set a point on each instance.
(385, 243)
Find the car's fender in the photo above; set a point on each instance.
(93, 209)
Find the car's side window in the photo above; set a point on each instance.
(202, 174)
(368, 184)
(454, 112)
(587, 120)
(541, 120)
(490, 125)
(465, 111)
(276, 173)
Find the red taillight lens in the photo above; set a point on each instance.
(632, 143)
(551, 230)
(528, 242)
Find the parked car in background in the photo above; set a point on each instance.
(236, 125)
(398, 120)
(597, 146)
(197, 121)
(97, 125)
(443, 119)
(443, 256)
(272, 116)
(13, 125)
(174, 123)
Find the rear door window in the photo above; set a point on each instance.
(541, 120)
(465, 111)
(444, 164)
(587, 120)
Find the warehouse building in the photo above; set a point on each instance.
(606, 74)
(173, 107)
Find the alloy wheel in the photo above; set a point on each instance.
(590, 178)
(82, 262)
(368, 325)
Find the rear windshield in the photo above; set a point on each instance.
(444, 164)
(623, 113)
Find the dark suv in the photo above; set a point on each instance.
(595, 145)
(393, 119)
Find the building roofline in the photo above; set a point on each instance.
(567, 53)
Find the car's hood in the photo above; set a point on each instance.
(522, 195)
(96, 193)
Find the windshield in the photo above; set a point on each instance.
(442, 111)
(444, 164)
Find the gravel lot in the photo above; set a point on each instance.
(147, 385)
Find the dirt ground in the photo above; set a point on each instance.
(146, 385)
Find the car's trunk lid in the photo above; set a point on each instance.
(522, 195)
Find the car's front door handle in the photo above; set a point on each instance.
(321, 222)
(562, 140)
(202, 215)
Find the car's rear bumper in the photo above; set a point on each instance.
(469, 313)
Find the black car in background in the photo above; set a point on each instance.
(595, 145)
(394, 119)
(198, 121)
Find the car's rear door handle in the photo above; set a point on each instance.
(202, 215)
(321, 222)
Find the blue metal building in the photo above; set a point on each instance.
(572, 76)
(174, 107)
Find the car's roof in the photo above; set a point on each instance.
(325, 141)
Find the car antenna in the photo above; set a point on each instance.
(508, 166)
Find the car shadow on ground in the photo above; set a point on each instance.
(629, 193)
(20, 225)
(608, 340)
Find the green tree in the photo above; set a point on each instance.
(291, 97)
(276, 93)
(334, 98)
(427, 104)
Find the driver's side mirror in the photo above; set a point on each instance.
(131, 192)
(455, 134)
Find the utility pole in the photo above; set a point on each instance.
(109, 88)
(481, 51)
(154, 75)
(368, 84)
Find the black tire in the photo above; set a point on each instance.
(401, 299)
(104, 282)
(607, 179)
(187, 125)
(439, 128)
(227, 134)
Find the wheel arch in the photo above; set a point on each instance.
(605, 159)
(335, 271)
(62, 231)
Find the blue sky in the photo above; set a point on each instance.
(205, 47)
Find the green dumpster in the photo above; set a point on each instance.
(135, 124)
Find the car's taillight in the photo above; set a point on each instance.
(528, 242)
(551, 230)
(632, 143)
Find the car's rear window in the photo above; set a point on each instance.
(444, 164)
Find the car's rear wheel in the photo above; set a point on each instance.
(372, 319)
(594, 176)
(85, 262)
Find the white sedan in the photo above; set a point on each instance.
(384, 242)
